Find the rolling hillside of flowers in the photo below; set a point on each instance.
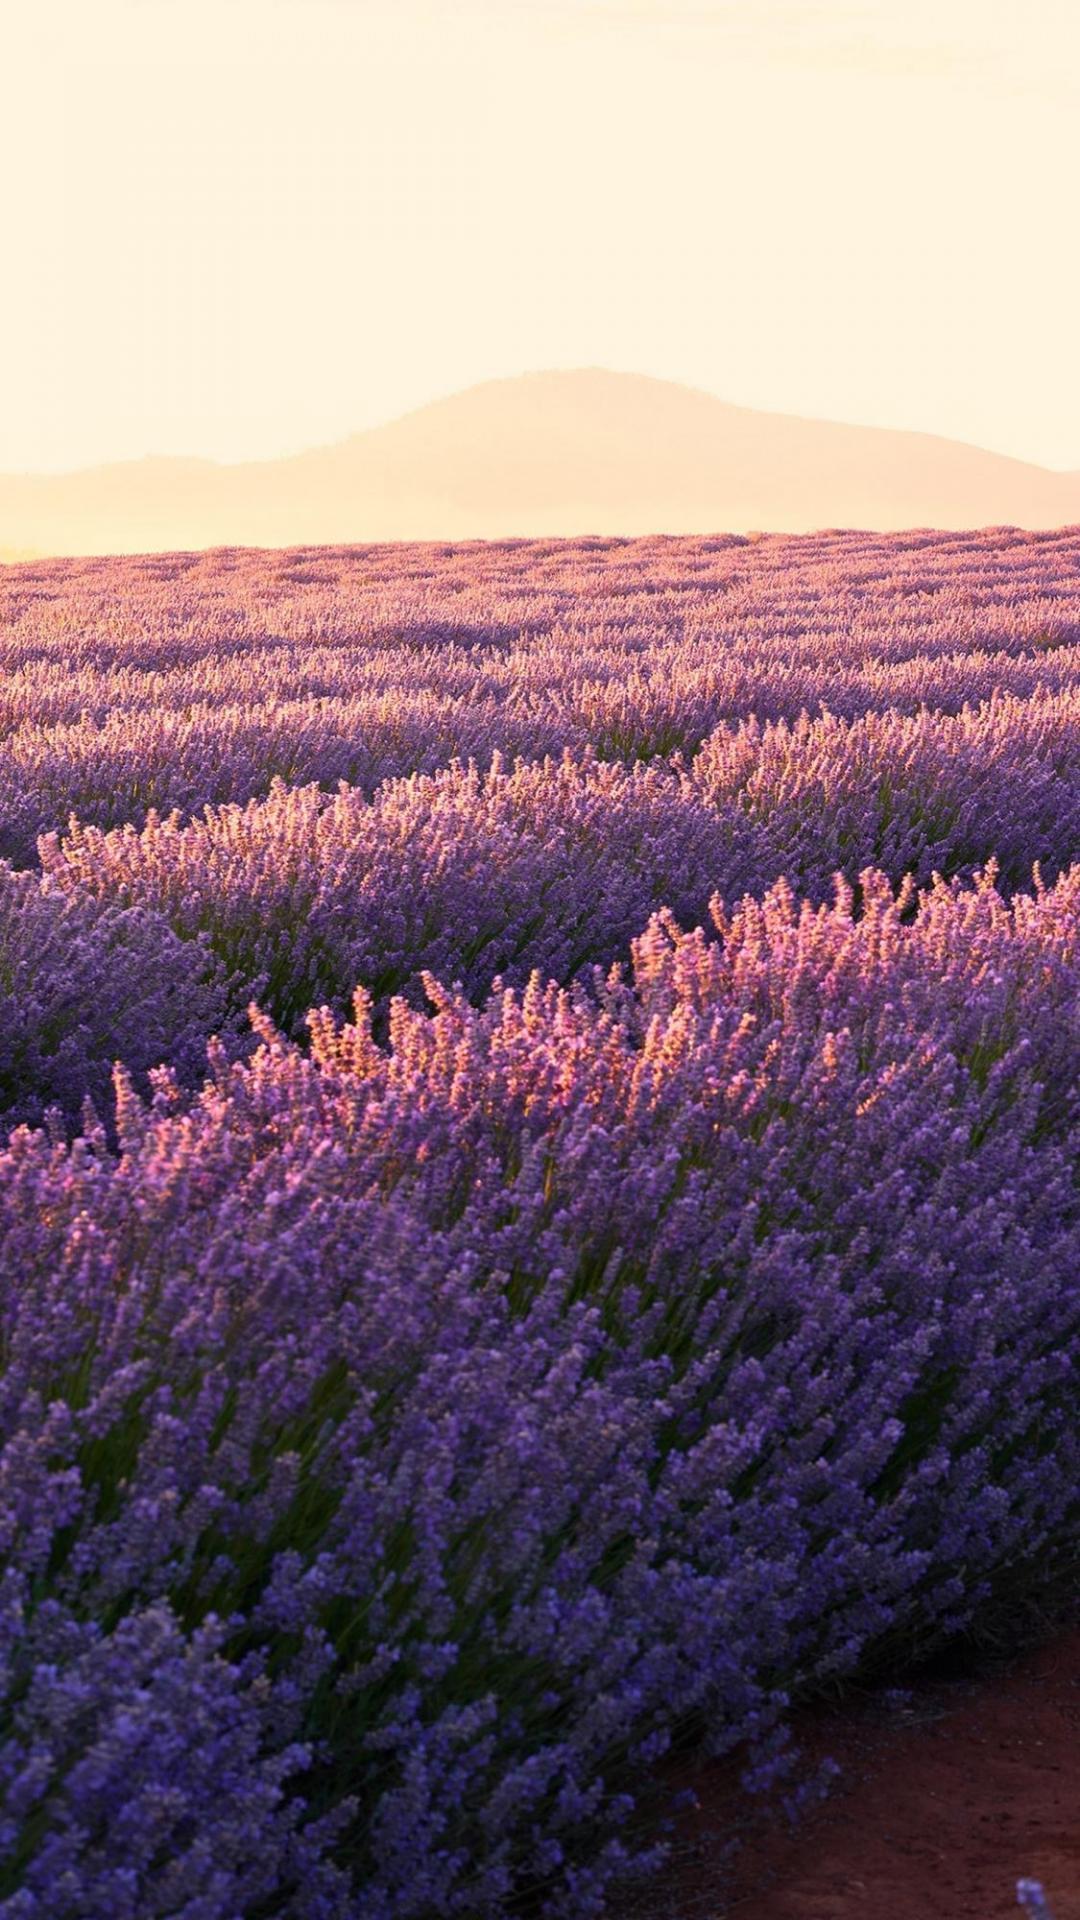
(539, 1205)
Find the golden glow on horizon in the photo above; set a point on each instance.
(246, 227)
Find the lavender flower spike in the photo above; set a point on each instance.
(1031, 1897)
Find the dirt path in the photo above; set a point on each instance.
(946, 1800)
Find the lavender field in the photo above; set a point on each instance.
(539, 1206)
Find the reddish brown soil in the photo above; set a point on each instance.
(945, 1800)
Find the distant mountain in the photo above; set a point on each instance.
(543, 454)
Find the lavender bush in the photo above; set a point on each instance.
(620, 1289)
(85, 982)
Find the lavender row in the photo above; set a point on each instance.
(114, 768)
(556, 865)
(403, 1444)
(917, 794)
(304, 895)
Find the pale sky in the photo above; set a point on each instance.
(244, 227)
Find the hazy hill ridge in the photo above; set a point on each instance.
(543, 454)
